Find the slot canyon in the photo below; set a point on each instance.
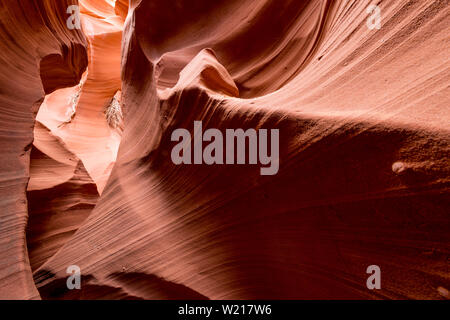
(362, 173)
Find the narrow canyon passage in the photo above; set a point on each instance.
(88, 177)
(76, 138)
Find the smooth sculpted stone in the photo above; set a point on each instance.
(229, 149)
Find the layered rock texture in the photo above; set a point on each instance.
(87, 179)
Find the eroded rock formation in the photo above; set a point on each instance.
(363, 173)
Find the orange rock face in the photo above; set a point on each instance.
(359, 96)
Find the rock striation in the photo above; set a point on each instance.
(86, 176)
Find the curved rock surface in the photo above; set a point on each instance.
(363, 174)
(39, 54)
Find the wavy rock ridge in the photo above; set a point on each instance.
(363, 165)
